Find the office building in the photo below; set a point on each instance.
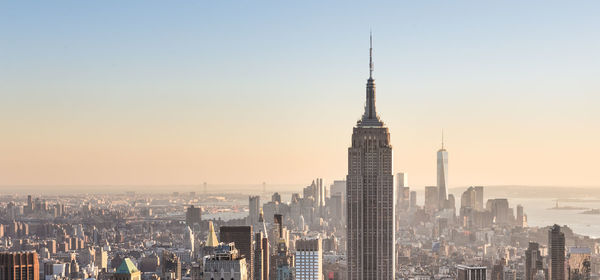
(370, 196)
(442, 175)
(254, 210)
(556, 254)
(478, 202)
(226, 263)
(413, 199)
(19, 266)
(193, 216)
(241, 236)
(465, 272)
(533, 260)
(431, 198)
(309, 259)
(261, 256)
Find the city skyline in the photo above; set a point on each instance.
(146, 104)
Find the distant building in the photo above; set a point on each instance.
(309, 259)
(254, 210)
(533, 261)
(431, 198)
(19, 265)
(226, 263)
(127, 271)
(338, 186)
(193, 216)
(241, 236)
(402, 192)
(413, 199)
(465, 272)
(556, 254)
(478, 203)
(442, 175)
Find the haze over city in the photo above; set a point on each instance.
(130, 93)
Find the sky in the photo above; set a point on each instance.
(244, 92)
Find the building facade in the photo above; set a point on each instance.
(308, 259)
(19, 266)
(370, 196)
(241, 236)
(556, 254)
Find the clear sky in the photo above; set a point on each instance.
(182, 92)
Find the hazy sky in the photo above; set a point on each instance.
(182, 92)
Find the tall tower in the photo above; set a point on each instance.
(370, 195)
(442, 174)
(556, 254)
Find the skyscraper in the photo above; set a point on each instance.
(432, 197)
(442, 174)
(261, 256)
(556, 254)
(241, 236)
(309, 259)
(254, 209)
(193, 216)
(533, 260)
(370, 195)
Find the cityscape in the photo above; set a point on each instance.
(372, 222)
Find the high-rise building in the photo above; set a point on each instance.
(241, 236)
(478, 203)
(19, 266)
(413, 199)
(533, 260)
(309, 259)
(556, 254)
(442, 174)
(193, 216)
(261, 256)
(431, 198)
(188, 238)
(254, 210)
(465, 272)
(127, 271)
(370, 196)
(101, 259)
(402, 192)
(521, 218)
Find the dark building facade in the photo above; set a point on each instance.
(242, 237)
(19, 266)
(533, 260)
(370, 196)
(556, 254)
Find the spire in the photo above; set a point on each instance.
(442, 138)
(370, 55)
(211, 240)
(370, 117)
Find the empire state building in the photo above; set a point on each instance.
(370, 195)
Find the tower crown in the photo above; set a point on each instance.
(370, 117)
